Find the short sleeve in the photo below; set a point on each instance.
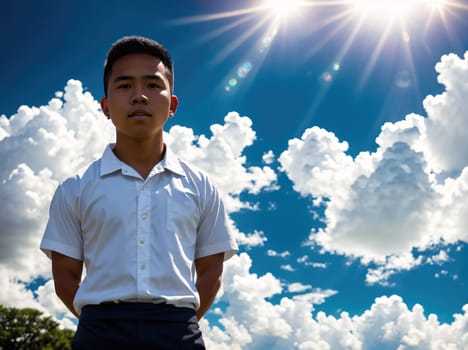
(215, 234)
(63, 230)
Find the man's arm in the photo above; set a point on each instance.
(209, 271)
(67, 277)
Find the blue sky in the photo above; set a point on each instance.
(337, 196)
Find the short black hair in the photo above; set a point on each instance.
(134, 45)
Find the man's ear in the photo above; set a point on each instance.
(105, 107)
(173, 106)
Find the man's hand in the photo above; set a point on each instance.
(209, 271)
(67, 277)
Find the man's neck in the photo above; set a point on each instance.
(142, 155)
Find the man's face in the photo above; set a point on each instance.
(139, 98)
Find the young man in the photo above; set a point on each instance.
(151, 230)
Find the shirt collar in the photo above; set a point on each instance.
(172, 163)
(110, 163)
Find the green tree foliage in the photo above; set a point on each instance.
(28, 329)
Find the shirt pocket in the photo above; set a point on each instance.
(183, 214)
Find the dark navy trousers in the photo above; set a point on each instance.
(137, 326)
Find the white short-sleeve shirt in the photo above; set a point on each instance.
(138, 237)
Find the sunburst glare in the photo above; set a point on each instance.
(332, 18)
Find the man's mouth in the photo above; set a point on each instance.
(139, 114)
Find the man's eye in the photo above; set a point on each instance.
(123, 86)
(153, 86)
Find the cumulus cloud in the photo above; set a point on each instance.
(447, 115)
(387, 207)
(39, 147)
(253, 321)
(263, 323)
(221, 156)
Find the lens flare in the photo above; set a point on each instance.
(244, 70)
(252, 59)
(406, 37)
(327, 77)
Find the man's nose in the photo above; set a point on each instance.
(139, 97)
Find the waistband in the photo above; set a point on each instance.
(138, 312)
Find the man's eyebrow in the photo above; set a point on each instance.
(154, 77)
(122, 77)
(146, 77)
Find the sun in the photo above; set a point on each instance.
(282, 9)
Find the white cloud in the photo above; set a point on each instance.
(389, 322)
(271, 252)
(393, 264)
(268, 324)
(439, 259)
(317, 164)
(447, 113)
(304, 260)
(13, 292)
(42, 145)
(298, 287)
(253, 321)
(221, 156)
(255, 239)
(268, 157)
(409, 193)
(287, 267)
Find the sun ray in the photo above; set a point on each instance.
(216, 16)
(309, 115)
(341, 26)
(224, 29)
(446, 15)
(239, 41)
(375, 56)
(456, 5)
(253, 58)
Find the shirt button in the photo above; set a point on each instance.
(144, 216)
(142, 266)
(142, 241)
(125, 171)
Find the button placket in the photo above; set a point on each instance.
(142, 237)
